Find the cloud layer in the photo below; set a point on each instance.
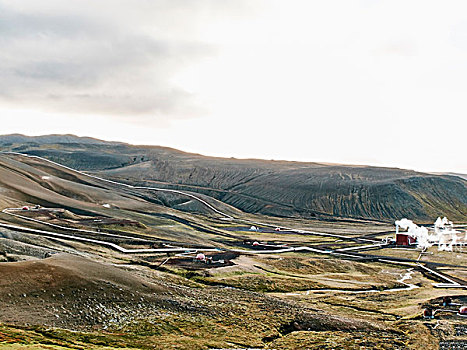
(106, 57)
(373, 82)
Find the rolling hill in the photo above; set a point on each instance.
(279, 188)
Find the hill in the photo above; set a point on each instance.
(269, 187)
(90, 263)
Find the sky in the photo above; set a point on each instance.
(357, 82)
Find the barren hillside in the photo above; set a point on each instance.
(258, 186)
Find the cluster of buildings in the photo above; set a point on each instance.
(442, 233)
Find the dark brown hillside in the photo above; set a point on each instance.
(362, 192)
(269, 187)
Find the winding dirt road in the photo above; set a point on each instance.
(225, 216)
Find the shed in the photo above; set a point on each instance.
(428, 313)
(200, 257)
(405, 239)
(463, 311)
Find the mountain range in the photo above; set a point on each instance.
(277, 188)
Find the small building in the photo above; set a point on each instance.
(200, 257)
(428, 313)
(405, 239)
(463, 311)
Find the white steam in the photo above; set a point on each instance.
(444, 235)
(424, 239)
(447, 235)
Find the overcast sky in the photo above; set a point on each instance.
(359, 82)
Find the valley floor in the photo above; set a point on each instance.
(94, 264)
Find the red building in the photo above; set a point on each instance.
(463, 311)
(405, 239)
(428, 313)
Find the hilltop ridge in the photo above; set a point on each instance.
(279, 188)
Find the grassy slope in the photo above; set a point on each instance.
(158, 314)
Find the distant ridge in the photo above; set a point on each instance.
(280, 188)
(51, 139)
(463, 176)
